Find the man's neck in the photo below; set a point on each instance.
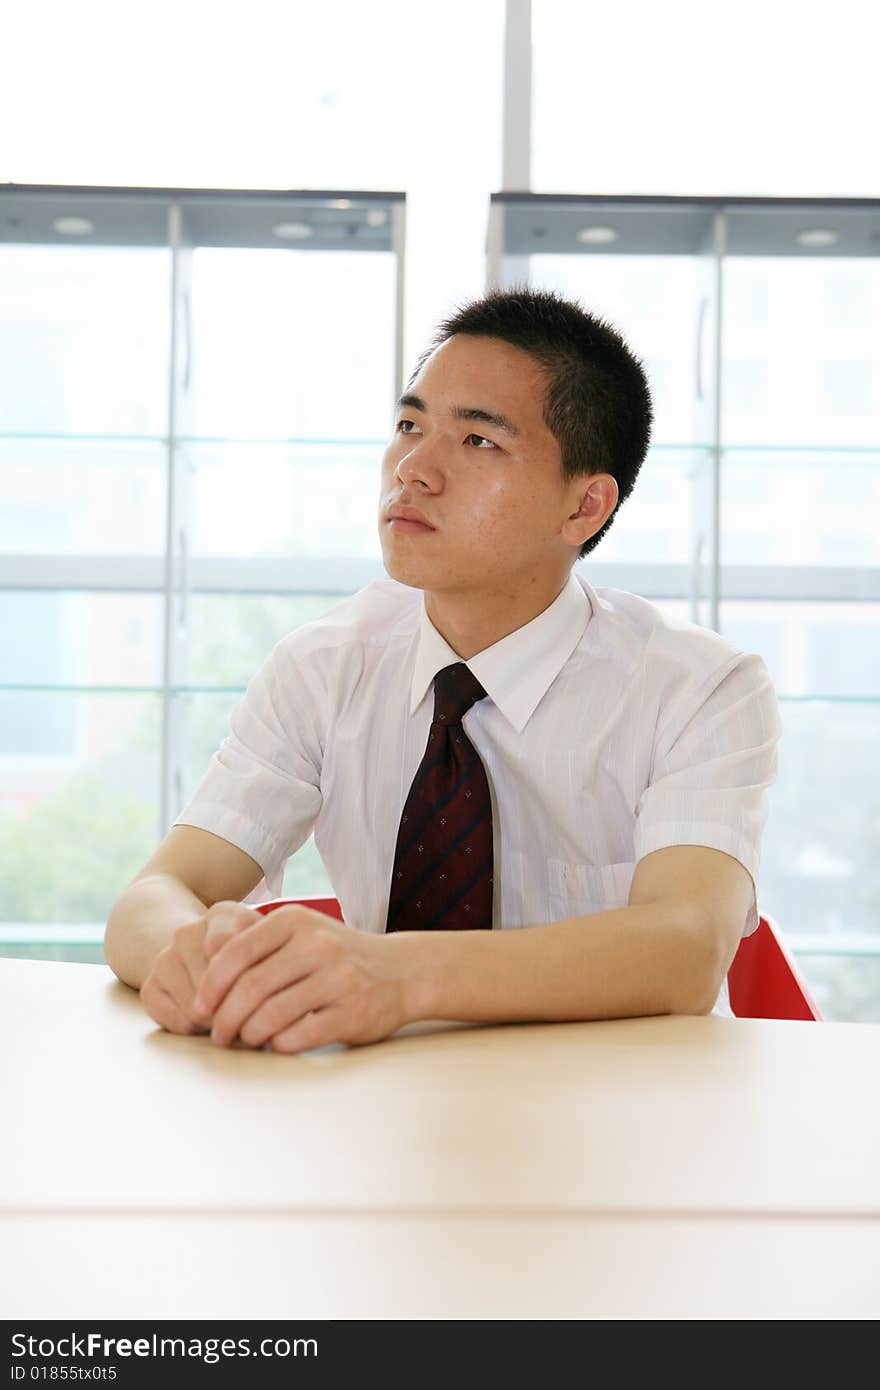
(472, 622)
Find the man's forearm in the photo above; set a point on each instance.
(655, 958)
(142, 922)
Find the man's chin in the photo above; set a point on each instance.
(401, 579)
(412, 574)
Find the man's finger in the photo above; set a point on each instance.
(254, 987)
(218, 939)
(276, 1013)
(315, 1030)
(224, 923)
(174, 976)
(252, 944)
(164, 1010)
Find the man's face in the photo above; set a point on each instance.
(492, 489)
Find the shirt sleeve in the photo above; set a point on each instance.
(714, 760)
(261, 790)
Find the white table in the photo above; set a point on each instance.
(664, 1167)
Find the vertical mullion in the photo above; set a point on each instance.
(516, 151)
(176, 591)
(398, 245)
(720, 250)
(495, 247)
(168, 617)
(516, 142)
(707, 424)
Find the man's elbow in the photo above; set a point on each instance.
(115, 940)
(708, 961)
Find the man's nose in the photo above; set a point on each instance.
(423, 463)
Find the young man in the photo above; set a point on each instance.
(482, 741)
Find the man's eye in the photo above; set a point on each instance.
(400, 424)
(482, 440)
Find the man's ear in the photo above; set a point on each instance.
(598, 498)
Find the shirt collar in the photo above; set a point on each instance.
(516, 672)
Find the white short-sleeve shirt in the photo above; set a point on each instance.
(609, 731)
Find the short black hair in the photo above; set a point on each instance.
(598, 402)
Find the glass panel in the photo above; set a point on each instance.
(658, 520)
(810, 648)
(79, 809)
(304, 873)
(293, 344)
(652, 301)
(57, 638)
(82, 497)
(800, 508)
(309, 499)
(801, 366)
(846, 988)
(206, 718)
(84, 340)
(232, 634)
(821, 855)
(81, 954)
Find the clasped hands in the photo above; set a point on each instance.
(292, 980)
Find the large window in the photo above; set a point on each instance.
(194, 474)
(763, 529)
(641, 100)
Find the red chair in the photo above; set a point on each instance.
(330, 906)
(763, 981)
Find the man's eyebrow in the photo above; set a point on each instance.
(464, 412)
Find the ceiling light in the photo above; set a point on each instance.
(73, 226)
(293, 231)
(376, 217)
(340, 203)
(597, 236)
(818, 236)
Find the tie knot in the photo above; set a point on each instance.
(455, 690)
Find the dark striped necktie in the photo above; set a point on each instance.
(442, 875)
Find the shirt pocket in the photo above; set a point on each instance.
(576, 889)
